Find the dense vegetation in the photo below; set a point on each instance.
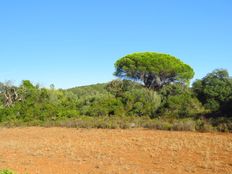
(154, 92)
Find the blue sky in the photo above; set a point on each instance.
(72, 42)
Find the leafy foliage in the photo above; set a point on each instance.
(117, 98)
(136, 99)
(40, 104)
(215, 92)
(153, 69)
(179, 101)
(6, 172)
(89, 90)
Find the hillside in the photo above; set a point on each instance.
(94, 89)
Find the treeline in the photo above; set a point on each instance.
(173, 103)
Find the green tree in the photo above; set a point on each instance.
(179, 101)
(154, 70)
(100, 105)
(215, 91)
(141, 102)
(137, 100)
(119, 87)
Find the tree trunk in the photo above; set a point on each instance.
(11, 96)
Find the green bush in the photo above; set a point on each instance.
(178, 101)
(185, 125)
(215, 92)
(222, 124)
(6, 172)
(136, 100)
(204, 126)
(158, 125)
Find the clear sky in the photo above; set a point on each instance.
(76, 42)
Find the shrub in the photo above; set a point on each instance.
(6, 171)
(136, 99)
(178, 101)
(158, 125)
(215, 92)
(204, 126)
(185, 125)
(222, 124)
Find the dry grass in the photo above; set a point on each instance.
(135, 151)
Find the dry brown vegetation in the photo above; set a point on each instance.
(135, 151)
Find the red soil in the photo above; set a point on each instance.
(38, 150)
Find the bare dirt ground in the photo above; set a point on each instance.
(136, 151)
